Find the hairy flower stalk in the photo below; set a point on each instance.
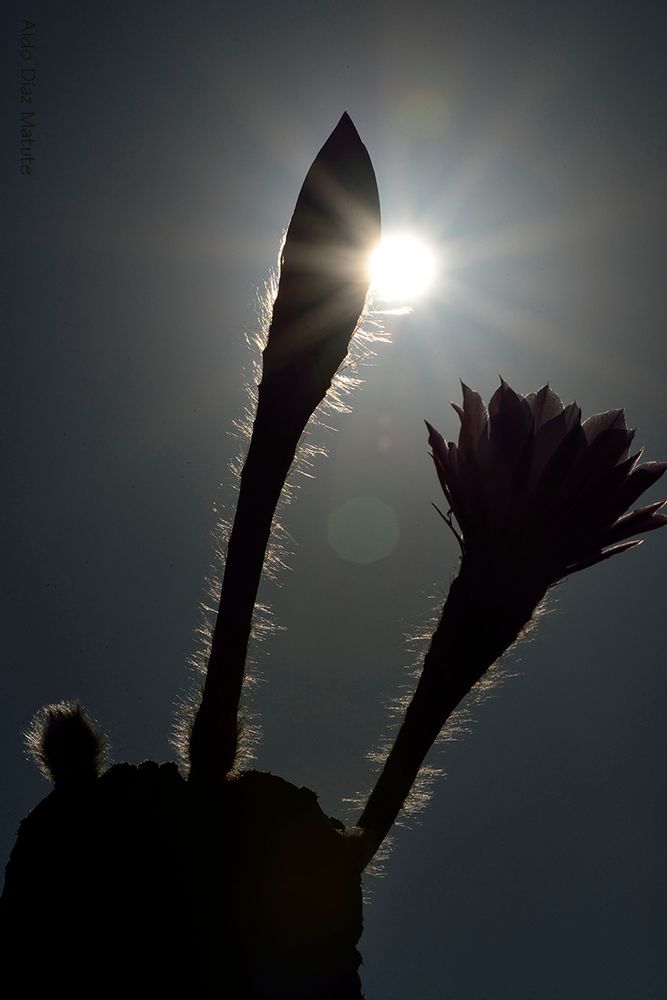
(537, 495)
(321, 294)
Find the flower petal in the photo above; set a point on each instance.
(562, 475)
(511, 424)
(466, 498)
(440, 458)
(474, 420)
(606, 453)
(494, 481)
(597, 506)
(640, 479)
(435, 439)
(600, 557)
(635, 523)
(599, 493)
(600, 422)
(550, 436)
(609, 447)
(454, 481)
(545, 404)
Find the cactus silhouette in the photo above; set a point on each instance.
(235, 882)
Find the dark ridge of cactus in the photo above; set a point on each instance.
(251, 893)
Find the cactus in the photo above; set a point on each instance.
(237, 882)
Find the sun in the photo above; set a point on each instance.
(402, 268)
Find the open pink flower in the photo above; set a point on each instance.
(527, 477)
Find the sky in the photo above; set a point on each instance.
(527, 144)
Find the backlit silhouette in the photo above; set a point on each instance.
(142, 878)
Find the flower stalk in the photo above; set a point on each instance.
(321, 294)
(537, 495)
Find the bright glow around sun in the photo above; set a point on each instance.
(402, 268)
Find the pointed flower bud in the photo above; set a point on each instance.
(323, 276)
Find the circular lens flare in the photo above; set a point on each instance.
(402, 268)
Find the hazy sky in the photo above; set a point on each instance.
(528, 144)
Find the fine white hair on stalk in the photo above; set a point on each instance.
(458, 726)
(368, 334)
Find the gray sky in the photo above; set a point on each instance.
(529, 146)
